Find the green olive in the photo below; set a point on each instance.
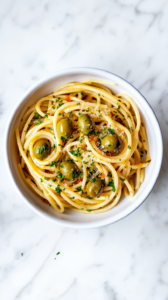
(69, 170)
(110, 143)
(41, 149)
(94, 189)
(64, 128)
(86, 124)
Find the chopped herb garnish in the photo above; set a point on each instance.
(58, 190)
(122, 179)
(111, 183)
(111, 131)
(89, 210)
(60, 176)
(46, 116)
(74, 174)
(41, 180)
(76, 152)
(36, 116)
(54, 179)
(53, 164)
(39, 121)
(79, 189)
(46, 178)
(40, 150)
(129, 147)
(53, 147)
(62, 139)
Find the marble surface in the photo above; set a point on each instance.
(126, 260)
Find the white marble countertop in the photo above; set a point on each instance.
(124, 261)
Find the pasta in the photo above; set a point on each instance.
(82, 146)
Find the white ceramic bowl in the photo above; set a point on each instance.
(69, 218)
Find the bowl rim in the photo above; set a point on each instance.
(93, 224)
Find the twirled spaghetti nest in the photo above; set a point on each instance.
(123, 170)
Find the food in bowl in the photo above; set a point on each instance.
(82, 146)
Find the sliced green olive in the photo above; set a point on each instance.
(94, 189)
(86, 124)
(64, 128)
(41, 149)
(110, 143)
(69, 170)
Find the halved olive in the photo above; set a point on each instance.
(69, 170)
(64, 128)
(86, 124)
(110, 143)
(41, 149)
(94, 189)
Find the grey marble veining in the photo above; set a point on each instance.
(124, 261)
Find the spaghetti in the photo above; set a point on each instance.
(81, 146)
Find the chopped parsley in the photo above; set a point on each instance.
(76, 152)
(129, 147)
(79, 189)
(46, 178)
(53, 164)
(62, 139)
(39, 121)
(36, 116)
(122, 179)
(58, 190)
(60, 176)
(53, 147)
(111, 131)
(89, 210)
(46, 116)
(111, 183)
(40, 150)
(74, 174)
